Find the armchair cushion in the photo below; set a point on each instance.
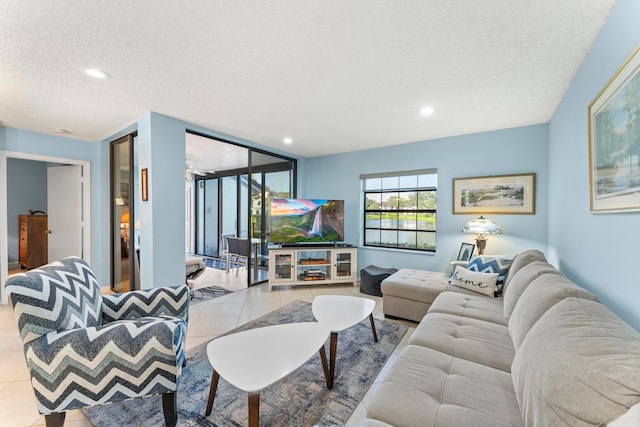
(58, 296)
(89, 366)
(166, 301)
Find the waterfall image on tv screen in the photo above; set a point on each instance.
(307, 220)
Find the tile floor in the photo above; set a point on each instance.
(207, 320)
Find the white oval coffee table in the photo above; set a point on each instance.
(254, 359)
(340, 312)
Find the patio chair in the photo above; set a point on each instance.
(238, 253)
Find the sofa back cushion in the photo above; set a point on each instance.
(521, 280)
(542, 293)
(578, 366)
(494, 264)
(62, 295)
(520, 260)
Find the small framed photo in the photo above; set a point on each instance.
(466, 251)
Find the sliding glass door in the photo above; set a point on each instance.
(235, 201)
(123, 172)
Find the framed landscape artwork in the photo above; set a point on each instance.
(504, 194)
(614, 141)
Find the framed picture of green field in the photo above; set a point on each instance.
(614, 141)
(503, 194)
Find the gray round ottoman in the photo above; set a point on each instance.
(371, 277)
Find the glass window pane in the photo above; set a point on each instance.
(407, 200)
(427, 241)
(426, 221)
(210, 217)
(407, 220)
(389, 238)
(429, 180)
(390, 183)
(373, 201)
(407, 239)
(372, 237)
(373, 184)
(372, 220)
(390, 201)
(389, 220)
(409, 181)
(427, 200)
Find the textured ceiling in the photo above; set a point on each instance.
(333, 75)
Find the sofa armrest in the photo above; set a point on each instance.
(165, 301)
(454, 264)
(97, 364)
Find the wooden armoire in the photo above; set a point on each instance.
(33, 240)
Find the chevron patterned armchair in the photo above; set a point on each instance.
(85, 349)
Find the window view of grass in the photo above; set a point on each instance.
(401, 219)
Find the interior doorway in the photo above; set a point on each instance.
(84, 207)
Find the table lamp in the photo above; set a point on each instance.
(481, 226)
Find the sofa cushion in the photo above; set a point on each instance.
(578, 365)
(492, 264)
(482, 283)
(426, 388)
(541, 294)
(473, 306)
(420, 285)
(470, 339)
(522, 259)
(521, 280)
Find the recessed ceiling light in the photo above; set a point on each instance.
(427, 111)
(288, 140)
(96, 74)
(60, 130)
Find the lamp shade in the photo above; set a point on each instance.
(482, 225)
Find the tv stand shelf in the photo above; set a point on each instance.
(308, 265)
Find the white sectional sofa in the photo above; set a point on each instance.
(545, 354)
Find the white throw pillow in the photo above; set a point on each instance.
(483, 283)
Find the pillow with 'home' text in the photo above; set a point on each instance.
(492, 264)
(483, 283)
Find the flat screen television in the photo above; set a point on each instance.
(306, 221)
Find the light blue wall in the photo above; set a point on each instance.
(26, 190)
(598, 251)
(161, 150)
(509, 151)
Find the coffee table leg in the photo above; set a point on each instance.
(373, 328)
(254, 409)
(333, 348)
(325, 368)
(212, 391)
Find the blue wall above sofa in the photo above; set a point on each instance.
(508, 151)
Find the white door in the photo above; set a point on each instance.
(64, 207)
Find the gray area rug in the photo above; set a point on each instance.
(208, 293)
(301, 399)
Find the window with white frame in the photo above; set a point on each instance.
(400, 209)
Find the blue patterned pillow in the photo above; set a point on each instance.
(492, 264)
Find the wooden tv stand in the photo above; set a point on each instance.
(312, 265)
